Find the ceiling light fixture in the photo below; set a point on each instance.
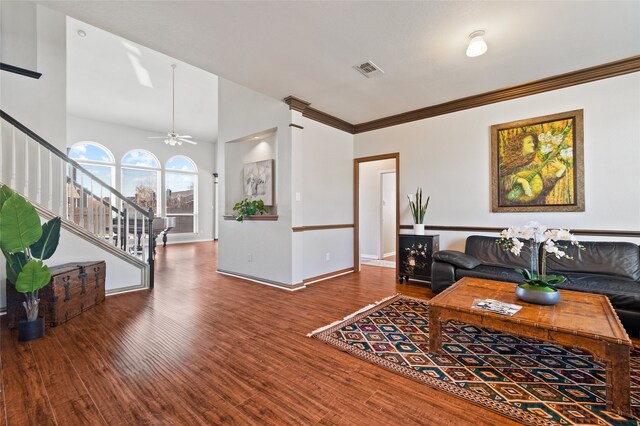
(82, 33)
(477, 45)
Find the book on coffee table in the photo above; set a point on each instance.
(496, 306)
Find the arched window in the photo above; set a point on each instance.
(141, 179)
(96, 158)
(181, 187)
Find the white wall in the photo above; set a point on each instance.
(121, 139)
(325, 162)
(41, 104)
(449, 157)
(370, 202)
(388, 214)
(313, 174)
(244, 112)
(19, 26)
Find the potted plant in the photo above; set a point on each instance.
(249, 208)
(25, 243)
(538, 287)
(418, 211)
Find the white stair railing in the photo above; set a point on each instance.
(47, 177)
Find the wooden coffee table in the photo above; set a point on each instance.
(583, 320)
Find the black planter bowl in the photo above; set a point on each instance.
(30, 330)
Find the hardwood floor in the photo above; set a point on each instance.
(203, 348)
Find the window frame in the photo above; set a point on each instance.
(195, 174)
(111, 165)
(158, 171)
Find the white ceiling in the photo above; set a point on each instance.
(307, 49)
(114, 80)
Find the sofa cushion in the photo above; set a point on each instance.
(600, 257)
(622, 292)
(489, 252)
(490, 273)
(456, 258)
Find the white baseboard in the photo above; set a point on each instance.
(170, 243)
(369, 256)
(281, 286)
(392, 253)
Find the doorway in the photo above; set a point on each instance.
(376, 210)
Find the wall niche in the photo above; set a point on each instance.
(250, 172)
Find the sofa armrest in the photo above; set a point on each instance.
(456, 258)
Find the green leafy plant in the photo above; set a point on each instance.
(25, 243)
(249, 208)
(418, 209)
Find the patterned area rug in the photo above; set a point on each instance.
(528, 380)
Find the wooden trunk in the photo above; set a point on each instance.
(74, 288)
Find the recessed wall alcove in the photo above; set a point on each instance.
(259, 146)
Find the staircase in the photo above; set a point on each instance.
(89, 208)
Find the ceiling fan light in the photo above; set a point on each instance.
(477, 45)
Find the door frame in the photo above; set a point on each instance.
(356, 203)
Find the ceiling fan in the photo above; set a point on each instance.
(172, 138)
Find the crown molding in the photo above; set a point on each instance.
(585, 75)
(304, 107)
(329, 120)
(296, 104)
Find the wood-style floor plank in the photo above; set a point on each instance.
(25, 396)
(207, 349)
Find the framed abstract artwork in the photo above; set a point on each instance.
(258, 181)
(537, 164)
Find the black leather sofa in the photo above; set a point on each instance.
(608, 268)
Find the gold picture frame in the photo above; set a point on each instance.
(537, 164)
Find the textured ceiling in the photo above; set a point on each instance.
(308, 49)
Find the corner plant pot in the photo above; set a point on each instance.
(418, 228)
(30, 330)
(537, 297)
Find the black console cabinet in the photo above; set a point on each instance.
(415, 256)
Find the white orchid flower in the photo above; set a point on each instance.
(517, 246)
(509, 233)
(564, 235)
(566, 153)
(551, 234)
(526, 233)
(546, 148)
(557, 139)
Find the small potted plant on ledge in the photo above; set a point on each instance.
(249, 208)
(538, 287)
(25, 243)
(418, 211)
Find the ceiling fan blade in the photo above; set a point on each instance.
(187, 141)
(185, 136)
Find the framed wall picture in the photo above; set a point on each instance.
(258, 181)
(537, 164)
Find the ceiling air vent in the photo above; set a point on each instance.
(369, 69)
